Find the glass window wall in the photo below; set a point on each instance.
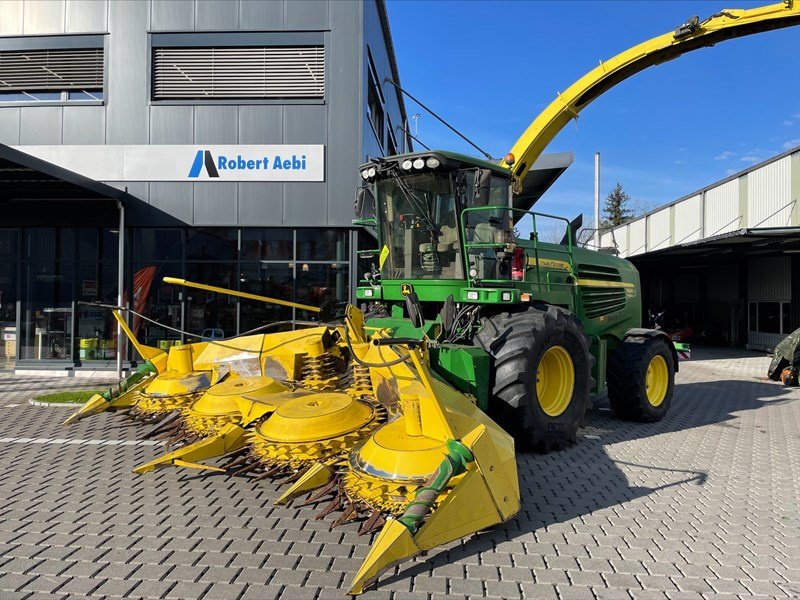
(57, 273)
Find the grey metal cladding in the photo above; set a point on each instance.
(342, 155)
(261, 204)
(84, 125)
(50, 42)
(40, 125)
(261, 124)
(232, 40)
(86, 15)
(215, 203)
(304, 204)
(171, 125)
(305, 124)
(127, 76)
(173, 198)
(213, 14)
(172, 15)
(216, 125)
(306, 14)
(128, 116)
(261, 14)
(11, 23)
(46, 16)
(9, 125)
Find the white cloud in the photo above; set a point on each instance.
(789, 144)
(725, 155)
(788, 123)
(750, 158)
(680, 162)
(730, 172)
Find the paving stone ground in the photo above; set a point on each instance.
(704, 504)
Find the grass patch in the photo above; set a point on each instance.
(72, 396)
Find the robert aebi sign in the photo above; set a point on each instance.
(205, 160)
(212, 163)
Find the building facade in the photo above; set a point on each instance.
(725, 260)
(234, 127)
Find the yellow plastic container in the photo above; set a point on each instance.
(88, 348)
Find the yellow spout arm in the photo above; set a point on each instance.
(692, 35)
(220, 290)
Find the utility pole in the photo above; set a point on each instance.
(597, 200)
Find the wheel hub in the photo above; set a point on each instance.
(555, 380)
(656, 380)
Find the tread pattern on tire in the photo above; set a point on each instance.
(510, 338)
(627, 367)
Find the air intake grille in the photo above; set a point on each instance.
(599, 300)
(275, 72)
(51, 70)
(602, 301)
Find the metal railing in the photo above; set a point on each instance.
(551, 249)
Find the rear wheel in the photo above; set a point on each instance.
(641, 378)
(542, 375)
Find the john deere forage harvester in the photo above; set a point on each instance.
(385, 422)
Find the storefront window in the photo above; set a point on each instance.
(8, 295)
(321, 283)
(48, 243)
(212, 244)
(210, 310)
(315, 244)
(158, 244)
(274, 280)
(47, 323)
(267, 244)
(158, 301)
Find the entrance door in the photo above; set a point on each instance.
(47, 323)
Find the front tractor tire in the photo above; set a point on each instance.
(641, 379)
(541, 376)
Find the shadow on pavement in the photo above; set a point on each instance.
(575, 482)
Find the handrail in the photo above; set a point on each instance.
(534, 238)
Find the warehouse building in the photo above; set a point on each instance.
(213, 140)
(724, 261)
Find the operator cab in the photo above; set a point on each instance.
(423, 204)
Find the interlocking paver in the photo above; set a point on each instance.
(698, 505)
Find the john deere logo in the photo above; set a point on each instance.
(406, 289)
(201, 159)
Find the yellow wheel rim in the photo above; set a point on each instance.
(656, 381)
(555, 381)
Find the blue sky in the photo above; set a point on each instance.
(491, 67)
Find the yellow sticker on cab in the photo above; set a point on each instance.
(383, 256)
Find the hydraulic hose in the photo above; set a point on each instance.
(455, 462)
(144, 370)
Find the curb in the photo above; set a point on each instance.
(33, 402)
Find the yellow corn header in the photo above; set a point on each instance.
(350, 421)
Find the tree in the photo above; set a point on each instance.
(616, 211)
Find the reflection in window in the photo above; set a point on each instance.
(274, 280)
(158, 244)
(267, 244)
(209, 310)
(315, 244)
(212, 244)
(321, 283)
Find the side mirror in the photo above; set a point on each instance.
(483, 180)
(364, 205)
